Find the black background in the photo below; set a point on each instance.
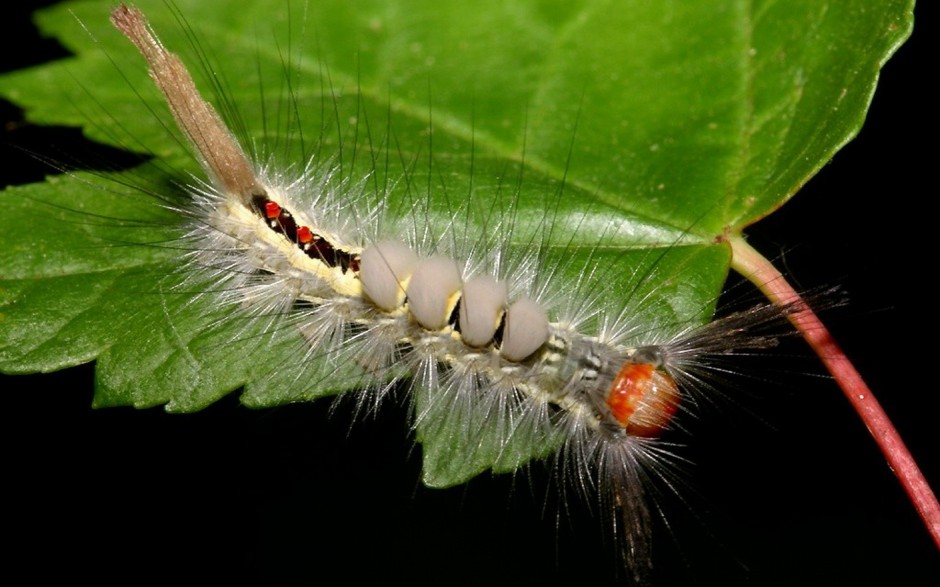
(796, 496)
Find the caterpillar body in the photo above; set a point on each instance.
(475, 336)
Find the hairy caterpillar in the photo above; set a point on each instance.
(361, 427)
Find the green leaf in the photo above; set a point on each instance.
(629, 135)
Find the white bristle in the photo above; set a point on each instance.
(481, 307)
(431, 291)
(386, 268)
(526, 329)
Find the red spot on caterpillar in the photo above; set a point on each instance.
(643, 399)
(304, 235)
(271, 210)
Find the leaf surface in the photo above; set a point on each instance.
(626, 136)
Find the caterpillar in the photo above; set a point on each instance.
(260, 208)
(483, 364)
